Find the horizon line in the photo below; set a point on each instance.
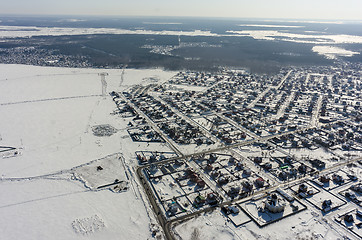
(165, 16)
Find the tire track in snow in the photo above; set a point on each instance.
(49, 99)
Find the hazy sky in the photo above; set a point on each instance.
(307, 9)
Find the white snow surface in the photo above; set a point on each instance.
(49, 113)
(26, 31)
(305, 225)
(299, 38)
(332, 52)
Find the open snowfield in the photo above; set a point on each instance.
(48, 114)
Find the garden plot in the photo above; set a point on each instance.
(355, 151)
(320, 153)
(154, 172)
(190, 184)
(203, 122)
(166, 187)
(153, 108)
(226, 132)
(318, 200)
(193, 79)
(255, 150)
(145, 157)
(144, 134)
(351, 220)
(292, 141)
(353, 193)
(102, 172)
(194, 198)
(173, 207)
(276, 162)
(123, 108)
(273, 100)
(236, 215)
(184, 133)
(175, 168)
(184, 203)
(190, 188)
(243, 184)
(254, 209)
(182, 87)
(206, 226)
(174, 183)
(185, 104)
(333, 180)
(230, 174)
(262, 151)
(288, 170)
(308, 189)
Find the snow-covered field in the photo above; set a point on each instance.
(67, 183)
(48, 114)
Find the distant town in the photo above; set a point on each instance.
(41, 57)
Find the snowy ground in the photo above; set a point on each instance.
(61, 183)
(305, 225)
(49, 113)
